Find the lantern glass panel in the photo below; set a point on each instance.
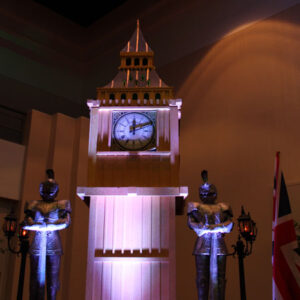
(10, 225)
(247, 226)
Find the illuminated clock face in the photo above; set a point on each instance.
(134, 130)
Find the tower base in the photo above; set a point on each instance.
(131, 249)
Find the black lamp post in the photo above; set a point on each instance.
(247, 231)
(9, 229)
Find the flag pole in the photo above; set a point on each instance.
(275, 213)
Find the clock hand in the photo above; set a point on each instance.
(133, 126)
(140, 126)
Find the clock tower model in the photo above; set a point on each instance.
(133, 182)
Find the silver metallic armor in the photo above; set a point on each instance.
(210, 221)
(46, 217)
(52, 213)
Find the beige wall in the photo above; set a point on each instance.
(11, 169)
(6, 258)
(241, 104)
(11, 164)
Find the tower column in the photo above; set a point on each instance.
(131, 250)
(133, 182)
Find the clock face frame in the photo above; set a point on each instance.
(133, 131)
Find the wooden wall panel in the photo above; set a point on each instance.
(155, 223)
(97, 279)
(77, 238)
(99, 206)
(141, 279)
(130, 240)
(163, 130)
(103, 140)
(106, 281)
(91, 248)
(108, 224)
(165, 287)
(155, 281)
(132, 169)
(145, 280)
(59, 142)
(135, 171)
(146, 228)
(165, 221)
(35, 163)
(132, 223)
(11, 162)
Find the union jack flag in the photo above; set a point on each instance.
(285, 256)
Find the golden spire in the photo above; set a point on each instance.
(137, 35)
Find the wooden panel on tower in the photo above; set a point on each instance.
(133, 181)
(134, 145)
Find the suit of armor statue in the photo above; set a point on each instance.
(210, 221)
(46, 217)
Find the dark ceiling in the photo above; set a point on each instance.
(84, 12)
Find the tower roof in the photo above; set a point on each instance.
(136, 77)
(144, 78)
(137, 42)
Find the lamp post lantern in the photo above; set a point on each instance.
(247, 232)
(10, 226)
(9, 229)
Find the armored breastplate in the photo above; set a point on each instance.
(46, 213)
(210, 215)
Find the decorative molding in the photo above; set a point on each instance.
(135, 253)
(130, 191)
